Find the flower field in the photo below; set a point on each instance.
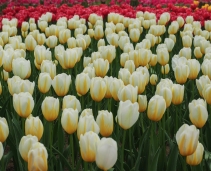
(109, 88)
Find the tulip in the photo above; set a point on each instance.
(142, 102)
(82, 83)
(41, 39)
(206, 92)
(25, 145)
(44, 82)
(41, 53)
(70, 101)
(105, 122)
(37, 157)
(100, 42)
(123, 40)
(163, 56)
(34, 126)
(166, 92)
(198, 112)
(42, 25)
(197, 52)
(98, 32)
(124, 75)
(174, 27)
(106, 153)
(51, 41)
(134, 34)
(1, 150)
(23, 104)
(5, 37)
(21, 67)
(169, 43)
(197, 156)
(153, 79)
(69, 120)
(127, 114)
(113, 39)
(30, 43)
(181, 73)
(64, 35)
(205, 67)
(80, 42)
(87, 123)
(90, 71)
(49, 67)
(153, 60)
(88, 144)
(201, 83)
(156, 108)
(61, 84)
(50, 108)
(68, 59)
(128, 93)
(123, 58)
(129, 64)
(108, 52)
(177, 94)
(97, 89)
(114, 87)
(6, 60)
(194, 67)
(101, 67)
(4, 129)
(187, 139)
(144, 56)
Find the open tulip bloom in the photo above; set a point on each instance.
(118, 86)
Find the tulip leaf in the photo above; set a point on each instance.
(207, 158)
(153, 167)
(173, 156)
(63, 158)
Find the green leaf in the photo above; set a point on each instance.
(173, 156)
(153, 167)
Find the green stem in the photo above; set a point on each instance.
(90, 166)
(23, 125)
(192, 90)
(130, 145)
(142, 122)
(176, 113)
(122, 156)
(82, 103)
(50, 124)
(72, 149)
(85, 166)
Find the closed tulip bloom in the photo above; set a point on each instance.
(68, 59)
(37, 157)
(123, 40)
(50, 108)
(127, 114)
(24, 26)
(1, 150)
(166, 92)
(206, 67)
(156, 108)
(138, 79)
(181, 73)
(169, 43)
(129, 64)
(80, 42)
(30, 43)
(69, 120)
(207, 25)
(105, 122)
(123, 58)
(108, 81)
(49, 67)
(71, 101)
(197, 52)
(197, 156)
(114, 87)
(88, 145)
(87, 123)
(101, 67)
(51, 41)
(82, 83)
(177, 94)
(106, 153)
(108, 52)
(144, 56)
(142, 102)
(187, 139)
(124, 75)
(87, 61)
(4, 129)
(128, 93)
(153, 60)
(134, 34)
(163, 56)
(23, 104)
(25, 145)
(90, 70)
(21, 67)
(41, 53)
(64, 35)
(153, 79)
(194, 67)
(185, 52)
(98, 32)
(198, 112)
(206, 92)
(201, 83)
(186, 41)
(98, 88)
(42, 25)
(113, 39)
(44, 82)
(100, 42)
(61, 84)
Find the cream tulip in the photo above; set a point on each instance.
(44, 82)
(194, 67)
(30, 43)
(98, 32)
(61, 84)
(106, 153)
(23, 104)
(69, 120)
(187, 139)
(101, 67)
(201, 83)
(138, 79)
(144, 56)
(49, 67)
(153, 79)
(181, 73)
(108, 52)
(51, 41)
(71, 101)
(113, 39)
(128, 93)
(105, 122)
(25, 145)
(197, 52)
(21, 67)
(34, 126)
(206, 67)
(50, 108)
(4, 129)
(156, 108)
(163, 56)
(134, 34)
(142, 102)
(124, 75)
(41, 53)
(177, 94)
(129, 64)
(169, 44)
(127, 114)
(82, 83)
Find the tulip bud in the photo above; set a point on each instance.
(98, 32)
(144, 56)
(163, 56)
(106, 153)
(181, 73)
(127, 114)
(4, 129)
(100, 42)
(44, 82)
(123, 40)
(70, 101)
(101, 67)
(138, 79)
(197, 156)
(50, 108)
(134, 34)
(105, 122)
(123, 58)
(1, 150)
(64, 35)
(197, 52)
(41, 53)
(61, 84)
(51, 41)
(49, 67)
(87, 123)
(128, 93)
(91, 33)
(129, 64)
(142, 102)
(25, 145)
(34, 126)
(114, 87)
(124, 75)
(97, 89)
(201, 83)
(113, 39)
(206, 92)
(23, 104)
(80, 42)
(194, 67)
(68, 59)
(37, 157)
(156, 108)
(21, 67)
(69, 120)
(187, 139)
(82, 83)
(30, 43)
(88, 144)
(90, 71)
(198, 112)
(165, 69)
(153, 79)
(169, 43)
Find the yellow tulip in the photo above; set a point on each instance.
(4, 129)
(177, 94)
(82, 83)
(153, 79)
(101, 67)
(142, 102)
(30, 43)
